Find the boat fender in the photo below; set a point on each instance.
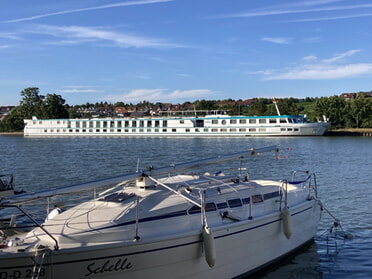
(287, 228)
(209, 246)
(54, 213)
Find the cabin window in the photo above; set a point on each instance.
(262, 129)
(91, 124)
(246, 200)
(234, 203)
(252, 121)
(223, 122)
(187, 129)
(283, 120)
(97, 130)
(233, 130)
(149, 130)
(214, 130)
(164, 130)
(232, 121)
(165, 123)
(262, 121)
(210, 206)
(272, 120)
(77, 124)
(257, 198)
(290, 129)
(282, 129)
(182, 121)
(84, 130)
(126, 123)
(157, 123)
(134, 123)
(206, 130)
(252, 129)
(142, 123)
(174, 130)
(149, 123)
(98, 124)
(242, 130)
(119, 123)
(224, 130)
(296, 129)
(104, 130)
(104, 124)
(126, 130)
(222, 205)
(243, 121)
(214, 121)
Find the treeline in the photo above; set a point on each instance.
(352, 113)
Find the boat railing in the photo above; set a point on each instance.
(308, 182)
(56, 246)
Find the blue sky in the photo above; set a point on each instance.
(184, 50)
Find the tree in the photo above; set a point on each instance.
(31, 103)
(359, 111)
(53, 107)
(333, 108)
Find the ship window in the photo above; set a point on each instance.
(148, 130)
(84, 124)
(262, 121)
(90, 124)
(164, 130)
(174, 130)
(134, 123)
(242, 130)
(112, 130)
(290, 129)
(233, 130)
(187, 129)
(232, 121)
(117, 197)
(222, 205)
(165, 123)
(252, 129)
(234, 203)
(97, 130)
(272, 120)
(223, 130)
(149, 123)
(214, 130)
(283, 120)
(77, 124)
(182, 121)
(223, 122)
(104, 130)
(104, 124)
(142, 123)
(112, 124)
(84, 130)
(141, 130)
(262, 129)
(126, 123)
(98, 124)
(214, 121)
(119, 123)
(296, 129)
(282, 129)
(206, 130)
(252, 121)
(157, 123)
(126, 130)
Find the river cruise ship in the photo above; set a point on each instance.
(216, 124)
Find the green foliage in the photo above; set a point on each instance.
(32, 104)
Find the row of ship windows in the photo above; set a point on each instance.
(156, 123)
(164, 130)
(233, 203)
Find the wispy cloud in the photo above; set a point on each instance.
(107, 6)
(82, 34)
(326, 69)
(281, 41)
(300, 8)
(79, 89)
(160, 95)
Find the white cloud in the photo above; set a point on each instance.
(160, 95)
(82, 34)
(341, 56)
(79, 89)
(322, 72)
(326, 69)
(282, 41)
(107, 6)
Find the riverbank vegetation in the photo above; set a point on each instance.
(355, 112)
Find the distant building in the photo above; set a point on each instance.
(5, 110)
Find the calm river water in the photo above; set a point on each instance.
(343, 166)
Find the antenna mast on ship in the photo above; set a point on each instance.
(276, 106)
